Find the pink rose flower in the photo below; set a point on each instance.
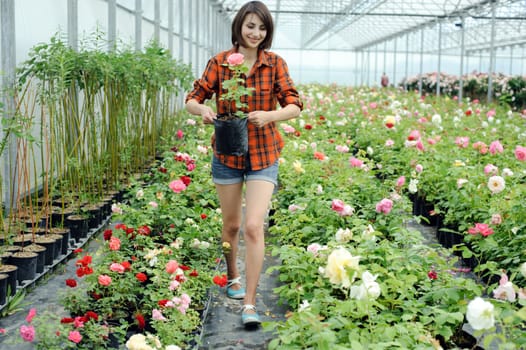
(158, 315)
(337, 205)
(180, 134)
(520, 153)
(114, 243)
(116, 267)
(355, 162)
(32, 312)
(490, 169)
(75, 336)
(483, 229)
(414, 135)
(27, 333)
(172, 266)
(384, 206)
(496, 219)
(104, 280)
(235, 59)
(177, 186)
(314, 248)
(495, 147)
(400, 181)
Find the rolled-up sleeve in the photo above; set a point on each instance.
(205, 87)
(284, 89)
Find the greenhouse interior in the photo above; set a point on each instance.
(396, 220)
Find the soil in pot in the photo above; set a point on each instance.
(231, 135)
(26, 261)
(11, 271)
(23, 240)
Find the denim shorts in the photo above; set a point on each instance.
(224, 175)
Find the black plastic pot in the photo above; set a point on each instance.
(26, 263)
(231, 135)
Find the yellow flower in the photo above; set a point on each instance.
(298, 167)
(337, 264)
(459, 163)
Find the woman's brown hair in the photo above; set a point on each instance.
(259, 9)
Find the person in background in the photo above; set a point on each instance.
(252, 33)
(384, 80)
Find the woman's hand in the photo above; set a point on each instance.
(259, 118)
(207, 114)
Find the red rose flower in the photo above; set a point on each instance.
(432, 275)
(91, 315)
(221, 281)
(203, 216)
(71, 283)
(194, 273)
(163, 302)
(126, 265)
(141, 323)
(66, 320)
(186, 180)
(107, 234)
(141, 277)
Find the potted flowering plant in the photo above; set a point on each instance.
(231, 134)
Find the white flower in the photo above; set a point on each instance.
(368, 289)
(461, 182)
(343, 235)
(202, 149)
(436, 119)
(496, 184)
(116, 209)
(304, 306)
(507, 172)
(522, 269)
(412, 187)
(505, 291)
(172, 347)
(480, 314)
(338, 262)
(319, 189)
(138, 342)
(139, 194)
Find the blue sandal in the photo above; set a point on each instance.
(235, 293)
(250, 319)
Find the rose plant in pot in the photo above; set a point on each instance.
(231, 134)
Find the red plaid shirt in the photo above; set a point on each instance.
(272, 84)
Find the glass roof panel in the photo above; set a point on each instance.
(350, 25)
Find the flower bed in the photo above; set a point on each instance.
(354, 274)
(352, 271)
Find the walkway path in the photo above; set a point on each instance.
(223, 329)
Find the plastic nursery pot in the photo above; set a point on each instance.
(231, 135)
(26, 262)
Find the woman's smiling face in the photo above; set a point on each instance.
(253, 31)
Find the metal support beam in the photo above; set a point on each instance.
(138, 25)
(8, 67)
(112, 25)
(73, 24)
(492, 54)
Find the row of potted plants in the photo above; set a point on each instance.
(507, 89)
(84, 123)
(356, 165)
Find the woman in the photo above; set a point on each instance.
(252, 32)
